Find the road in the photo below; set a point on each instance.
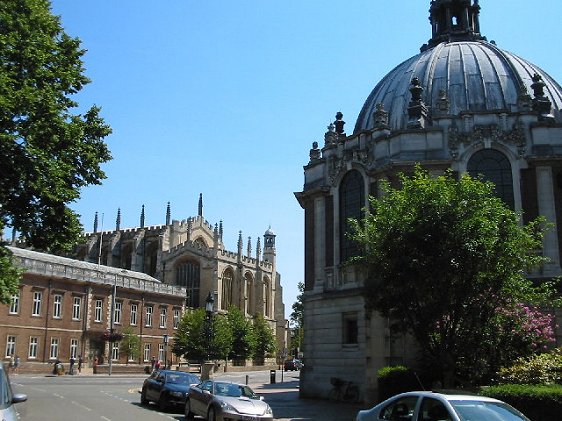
(116, 398)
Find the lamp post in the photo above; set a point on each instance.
(165, 340)
(111, 323)
(209, 306)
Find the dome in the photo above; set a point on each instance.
(269, 232)
(459, 64)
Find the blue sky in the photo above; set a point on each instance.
(225, 98)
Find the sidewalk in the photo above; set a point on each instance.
(287, 406)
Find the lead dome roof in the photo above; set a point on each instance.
(476, 75)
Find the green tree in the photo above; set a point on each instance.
(196, 340)
(444, 259)
(242, 334)
(47, 153)
(265, 343)
(130, 345)
(297, 328)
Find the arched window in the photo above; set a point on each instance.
(227, 280)
(188, 276)
(249, 293)
(267, 301)
(352, 201)
(495, 167)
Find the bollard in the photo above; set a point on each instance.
(247, 379)
(272, 376)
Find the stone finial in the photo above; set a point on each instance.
(417, 111)
(249, 249)
(220, 229)
(168, 214)
(96, 223)
(258, 249)
(380, 117)
(142, 217)
(541, 103)
(443, 103)
(339, 123)
(314, 152)
(118, 220)
(200, 205)
(239, 242)
(331, 137)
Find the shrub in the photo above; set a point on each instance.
(396, 379)
(538, 402)
(538, 369)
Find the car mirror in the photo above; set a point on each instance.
(206, 392)
(261, 398)
(19, 397)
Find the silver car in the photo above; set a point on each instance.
(431, 406)
(220, 401)
(7, 398)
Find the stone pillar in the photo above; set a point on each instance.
(547, 208)
(319, 242)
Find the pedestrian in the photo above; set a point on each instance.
(12, 363)
(80, 362)
(152, 363)
(71, 368)
(157, 365)
(16, 364)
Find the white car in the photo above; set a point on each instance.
(7, 398)
(432, 406)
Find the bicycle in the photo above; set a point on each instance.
(343, 390)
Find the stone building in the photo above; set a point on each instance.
(463, 104)
(191, 254)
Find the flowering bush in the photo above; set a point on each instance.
(538, 369)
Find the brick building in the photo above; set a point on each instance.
(64, 307)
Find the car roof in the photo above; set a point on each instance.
(449, 395)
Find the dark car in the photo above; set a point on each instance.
(167, 388)
(7, 398)
(222, 401)
(291, 365)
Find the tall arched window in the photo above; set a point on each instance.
(352, 201)
(188, 276)
(267, 301)
(227, 280)
(249, 293)
(495, 167)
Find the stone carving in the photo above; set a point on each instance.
(380, 117)
(339, 123)
(485, 134)
(314, 152)
(331, 137)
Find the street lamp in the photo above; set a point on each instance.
(209, 306)
(165, 340)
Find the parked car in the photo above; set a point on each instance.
(8, 398)
(167, 388)
(294, 364)
(432, 406)
(219, 401)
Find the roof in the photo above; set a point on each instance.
(476, 76)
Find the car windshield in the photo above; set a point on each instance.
(489, 411)
(234, 390)
(178, 378)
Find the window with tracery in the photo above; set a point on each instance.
(188, 275)
(249, 293)
(495, 167)
(352, 201)
(227, 281)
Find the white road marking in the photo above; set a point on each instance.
(81, 406)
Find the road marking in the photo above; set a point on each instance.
(105, 418)
(58, 396)
(81, 406)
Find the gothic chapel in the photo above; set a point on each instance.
(463, 104)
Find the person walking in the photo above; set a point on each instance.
(152, 363)
(80, 362)
(16, 364)
(12, 363)
(71, 368)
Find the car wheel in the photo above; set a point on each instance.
(188, 414)
(211, 415)
(163, 404)
(144, 401)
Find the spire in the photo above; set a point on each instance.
(142, 217)
(168, 214)
(239, 243)
(454, 20)
(200, 206)
(96, 223)
(220, 229)
(249, 250)
(118, 220)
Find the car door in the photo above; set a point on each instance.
(434, 410)
(155, 385)
(400, 409)
(197, 398)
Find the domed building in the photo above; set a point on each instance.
(462, 104)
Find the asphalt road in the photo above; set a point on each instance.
(116, 398)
